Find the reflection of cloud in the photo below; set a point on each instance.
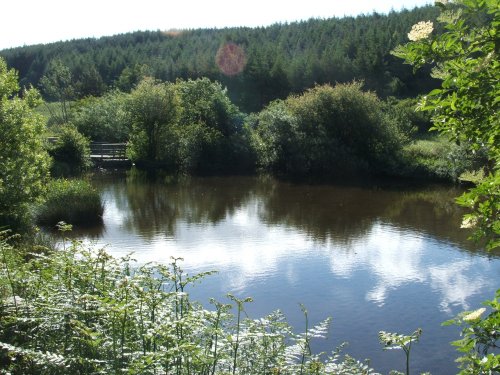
(247, 251)
(244, 256)
(396, 258)
(393, 256)
(451, 281)
(240, 247)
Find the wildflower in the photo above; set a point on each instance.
(474, 315)
(421, 30)
(469, 222)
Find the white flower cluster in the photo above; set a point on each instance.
(469, 222)
(421, 30)
(474, 315)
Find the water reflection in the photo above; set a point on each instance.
(396, 258)
(248, 228)
(396, 254)
(153, 207)
(323, 212)
(456, 287)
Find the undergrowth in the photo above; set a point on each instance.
(438, 158)
(79, 311)
(72, 201)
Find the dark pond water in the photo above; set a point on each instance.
(374, 258)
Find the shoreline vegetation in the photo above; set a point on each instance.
(76, 310)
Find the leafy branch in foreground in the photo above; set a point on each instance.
(465, 58)
(479, 344)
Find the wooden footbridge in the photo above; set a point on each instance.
(112, 155)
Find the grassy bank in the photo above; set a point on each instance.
(434, 157)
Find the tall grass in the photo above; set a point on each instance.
(438, 158)
(71, 201)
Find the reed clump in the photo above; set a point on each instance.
(72, 201)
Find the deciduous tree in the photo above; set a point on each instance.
(24, 164)
(465, 57)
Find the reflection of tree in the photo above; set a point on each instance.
(339, 214)
(343, 213)
(430, 210)
(323, 212)
(156, 204)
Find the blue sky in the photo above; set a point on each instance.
(26, 22)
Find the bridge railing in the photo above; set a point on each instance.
(110, 151)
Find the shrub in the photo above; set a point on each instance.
(188, 127)
(332, 131)
(465, 108)
(104, 119)
(71, 152)
(154, 108)
(406, 110)
(480, 340)
(207, 113)
(71, 201)
(24, 163)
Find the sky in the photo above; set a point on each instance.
(26, 22)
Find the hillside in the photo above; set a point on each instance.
(275, 60)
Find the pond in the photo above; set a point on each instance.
(374, 257)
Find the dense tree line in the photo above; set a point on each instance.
(276, 61)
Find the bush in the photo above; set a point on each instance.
(71, 152)
(465, 107)
(104, 119)
(24, 163)
(480, 340)
(406, 110)
(208, 113)
(71, 201)
(188, 127)
(155, 109)
(328, 131)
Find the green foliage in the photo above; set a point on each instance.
(397, 341)
(280, 59)
(155, 109)
(328, 131)
(71, 201)
(438, 158)
(23, 159)
(80, 311)
(131, 76)
(484, 203)
(406, 111)
(71, 152)
(57, 85)
(212, 124)
(465, 59)
(480, 339)
(188, 127)
(206, 102)
(104, 118)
